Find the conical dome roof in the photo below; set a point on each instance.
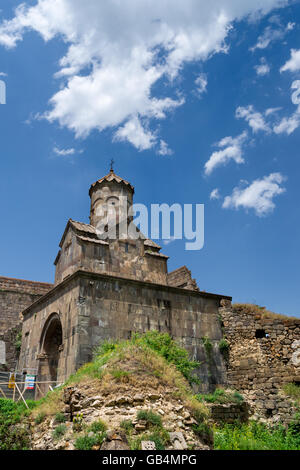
(112, 177)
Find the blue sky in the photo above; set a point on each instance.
(195, 105)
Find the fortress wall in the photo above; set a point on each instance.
(15, 296)
(264, 355)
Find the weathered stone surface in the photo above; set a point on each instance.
(148, 445)
(262, 359)
(177, 440)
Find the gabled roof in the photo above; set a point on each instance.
(86, 229)
(89, 233)
(112, 177)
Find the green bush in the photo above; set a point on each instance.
(293, 391)
(60, 418)
(59, 431)
(127, 425)
(86, 442)
(12, 435)
(207, 345)
(40, 418)
(224, 348)
(221, 396)
(151, 418)
(98, 426)
(256, 436)
(204, 432)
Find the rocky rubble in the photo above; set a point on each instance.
(113, 410)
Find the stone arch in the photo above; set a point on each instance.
(50, 348)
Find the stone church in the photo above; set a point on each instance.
(106, 289)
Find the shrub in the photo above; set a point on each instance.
(224, 348)
(255, 436)
(40, 418)
(151, 418)
(86, 442)
(97, 427)
(127, 425)
(204, 432)
(18, 342)
(12, 435)
(207, 345)
(221, 396)
(60, 418)
(293, 391)
(59, 431)
(77, 422)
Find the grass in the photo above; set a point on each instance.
(40, 418)
(150, 417)
(221, 396)
(59, 431)
(86, 442)
(127, 425)
(149, 360)
(60, 418)
(257, 310)
(152, 362)
(13, 436)
(97, 427)
(293, 391)
(256, 436)
(160, 436)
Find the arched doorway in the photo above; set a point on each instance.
(50, 348)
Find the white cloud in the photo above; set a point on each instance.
(255, 119)
(263, 68)
(3, 74)
(64, 152)
(289, 124)
(201, 84)
(164, 149)
(271, 111)
(293, 65)
(232, 149)
(117, 51)
(135, 133)
(272, 34)
(215, 194)
(258, 195)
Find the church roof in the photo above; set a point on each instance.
(91, 232)
(112, 177)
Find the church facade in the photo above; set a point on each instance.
(110, 288)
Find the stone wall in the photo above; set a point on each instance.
(8, 360)
(182, 277)
(229, 412)
(264, 355)
(15, 296)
